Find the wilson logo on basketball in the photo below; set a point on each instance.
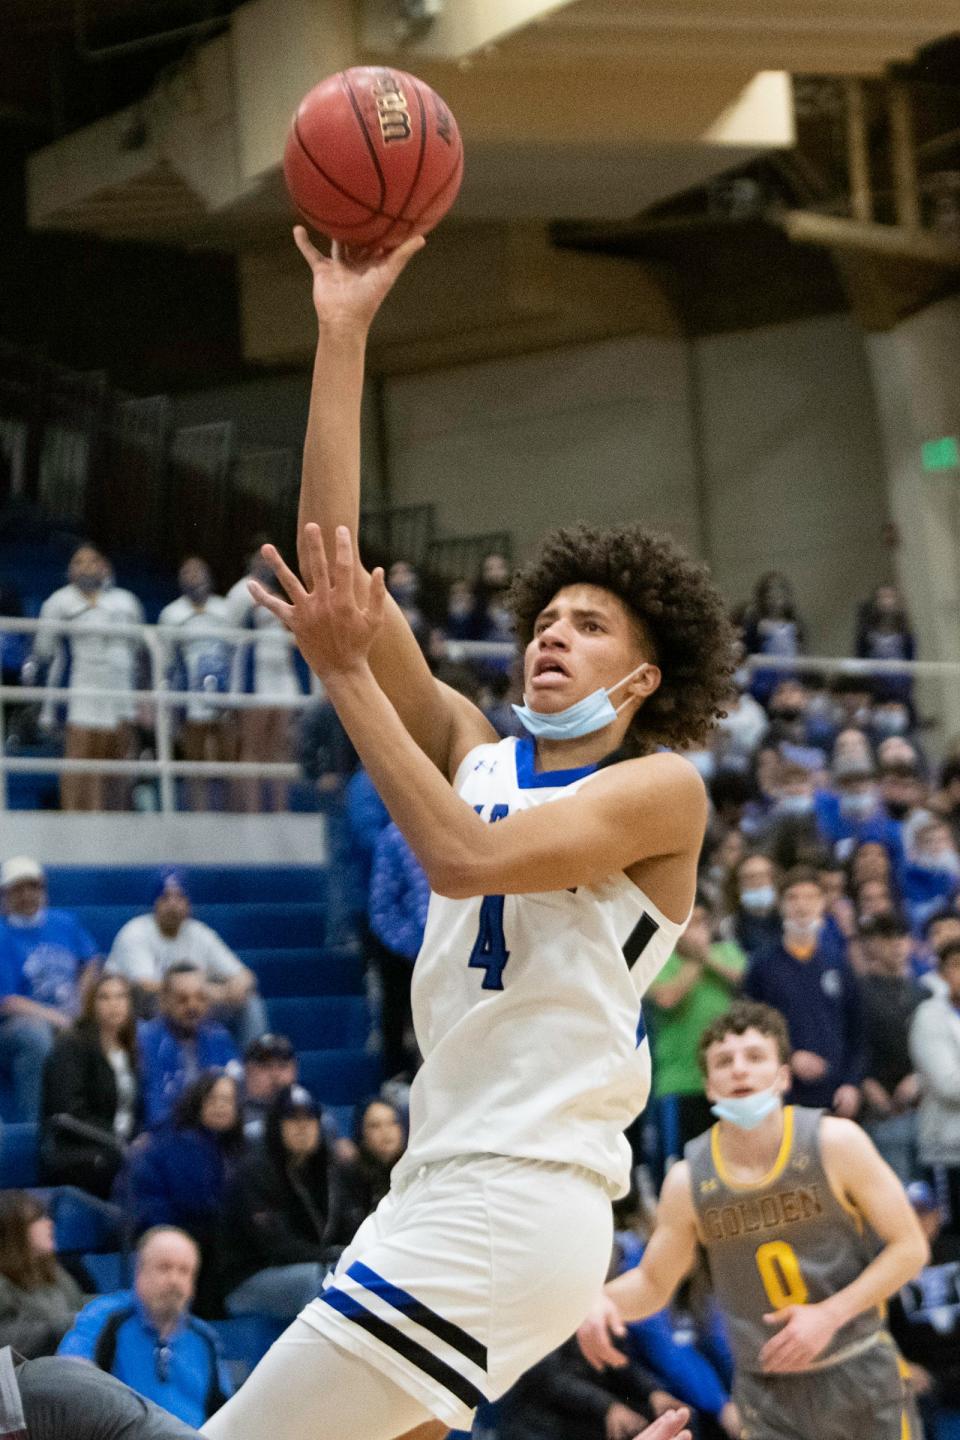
(444, 121)
(392, 110)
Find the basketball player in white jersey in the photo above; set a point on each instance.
(561, 881)
(807, 1232)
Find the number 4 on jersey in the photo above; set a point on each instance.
(490, 952)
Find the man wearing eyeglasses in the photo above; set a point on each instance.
(148, 1338)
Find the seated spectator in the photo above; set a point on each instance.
(98, 726)
(269, 1067)
(38, 1299)
(91, 1092)
(403, 583)
(277, 1212)
(200, 663)
(148, 945)
(54, 1397)
(884, 633)
(806, 976)
(787, 711)
(693, 988)
(46, 958)
(792, 836)
(850, 812)
(870, 860)
(852, 750)
(852, 702)
(564, 1396)
(399, 897)
(891, 1086)
(755, 920)
(148, 1338)
(731, 792)
(925, 1317)
(180, 1042)
(180, 1175)
(940, 928)
(740, 731)
(717, 875)
(902, 787)
(363, 1183)
(935, 1053)
(458, 621)
(931, 872)
(839, 908)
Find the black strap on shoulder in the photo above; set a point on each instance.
(214, 1396)
(106, 1348)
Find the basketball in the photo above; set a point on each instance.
(373, 157)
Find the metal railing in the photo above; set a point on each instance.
(161, 643)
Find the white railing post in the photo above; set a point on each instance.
(162, 726)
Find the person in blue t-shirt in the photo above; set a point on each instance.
(147, 1336)
(46, 959)
(180, 1043)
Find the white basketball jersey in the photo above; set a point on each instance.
(527, 1007)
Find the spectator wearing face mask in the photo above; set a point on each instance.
(807, 977)
(771, 626)
(87, 653)
(850, 811)
(884, 633)
(792, 836)
(492, 619)
(935, 1052)
(199, 662)
(931, 871)
(754, 921)
(891, 1086)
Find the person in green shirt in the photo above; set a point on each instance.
(693, 988)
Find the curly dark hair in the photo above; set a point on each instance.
(674, 599)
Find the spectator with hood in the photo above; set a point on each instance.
(277, 1213)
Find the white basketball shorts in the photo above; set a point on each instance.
(469, 1272)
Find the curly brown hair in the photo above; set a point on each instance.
(673, 598)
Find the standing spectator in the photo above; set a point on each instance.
(693, 988)
(399, 897)
(891, 1087)
(364, 1182)
(200, 663)
(754, 922)
(884, 633)
(806, 976)
(935, 1051)
(180, 1043)
(264, 667)
(492, 619)
(148, 945)
(89, 608)
(46, 959)
(148, 1338)
(403, 583)
(458, 623)
(38, 1299)
(771, 626)
(269, 1067)
(91, 1092)
(278, 1214)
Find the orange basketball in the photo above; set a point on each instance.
(373, 157)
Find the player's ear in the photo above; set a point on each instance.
(645, 682)
(784, 1079)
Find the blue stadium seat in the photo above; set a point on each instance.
(343, 1118)
(245, 1340)
(82, 1222)
(306, 972)
(18, 1157)
(340, 1077)
(106, 1272)
(321, 1022)
(72, 885)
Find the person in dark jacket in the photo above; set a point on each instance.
(54, 1397)
(277, 1213)
(179, 1176)
(381, 1140)
(91, 1106)
(755, 920)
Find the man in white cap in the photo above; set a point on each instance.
(46, 958)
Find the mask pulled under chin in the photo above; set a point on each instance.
(747, 1111)
(593, 712)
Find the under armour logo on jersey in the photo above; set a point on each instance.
(707, 1187)
(484, 765)
(800, 1163)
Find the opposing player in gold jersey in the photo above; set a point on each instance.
(807, 1232)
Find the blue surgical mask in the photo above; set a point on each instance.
(593, 712)
(795, 804)
(857, 807)
(947, 862)
(760, 900)
(747, 1111)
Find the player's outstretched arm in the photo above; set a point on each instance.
(862, 1179)
(348, 290)
(668, 1258)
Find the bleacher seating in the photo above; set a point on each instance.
(274, 917)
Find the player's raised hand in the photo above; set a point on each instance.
(350, 286)
(806, 1332)
(598, 1334)
(332, 628)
